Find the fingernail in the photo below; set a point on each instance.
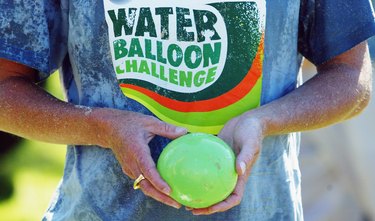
(243, 167)
(176, 206)
(180, 130)
(167, 191)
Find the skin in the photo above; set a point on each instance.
(339, 91)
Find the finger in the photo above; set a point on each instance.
(246, 159)
(148, 169)
(188, 208)
(149, 190)
(233, 200)
(167, 130)
(128, 172)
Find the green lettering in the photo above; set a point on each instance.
(175, 49)
(153, 70)
(205, 21)
(211, 75)
(159, 52)
(135, 48)
(211, 54)
(145, 23)
(188, 56)
(185, 78)
(164, 13)
(148, 48)
(182, 24)
(131, 67)
(173, 76)
(143, 67)
(119, 70)
(119, 48)
(122, 22)
(162, 74)
(199, 78)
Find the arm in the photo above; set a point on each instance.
(339, 91)
(28, 111)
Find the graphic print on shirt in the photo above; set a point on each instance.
(195, 64)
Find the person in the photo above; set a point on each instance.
(113, 139)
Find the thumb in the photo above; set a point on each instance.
(168, 130)
(245, 160)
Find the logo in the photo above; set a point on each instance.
(195, 64)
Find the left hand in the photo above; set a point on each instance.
(245, 136)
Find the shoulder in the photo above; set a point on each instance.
(32, 32)
(329, 28)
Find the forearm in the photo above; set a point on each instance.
(337, 93)
(28, 111)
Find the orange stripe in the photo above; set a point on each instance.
(232, 96)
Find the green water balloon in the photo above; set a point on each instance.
(199, 168)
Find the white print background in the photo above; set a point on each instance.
(200, 5)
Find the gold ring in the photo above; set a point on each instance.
(137, 182)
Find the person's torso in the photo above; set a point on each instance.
(214, 36)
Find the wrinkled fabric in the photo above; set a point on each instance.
(47, 34)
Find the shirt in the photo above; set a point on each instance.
(74, 35)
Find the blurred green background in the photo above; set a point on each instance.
(29, 171)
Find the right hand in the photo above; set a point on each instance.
(128, 134)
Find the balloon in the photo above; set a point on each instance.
(199, 168)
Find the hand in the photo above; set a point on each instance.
(128, 134)
(245, 136)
